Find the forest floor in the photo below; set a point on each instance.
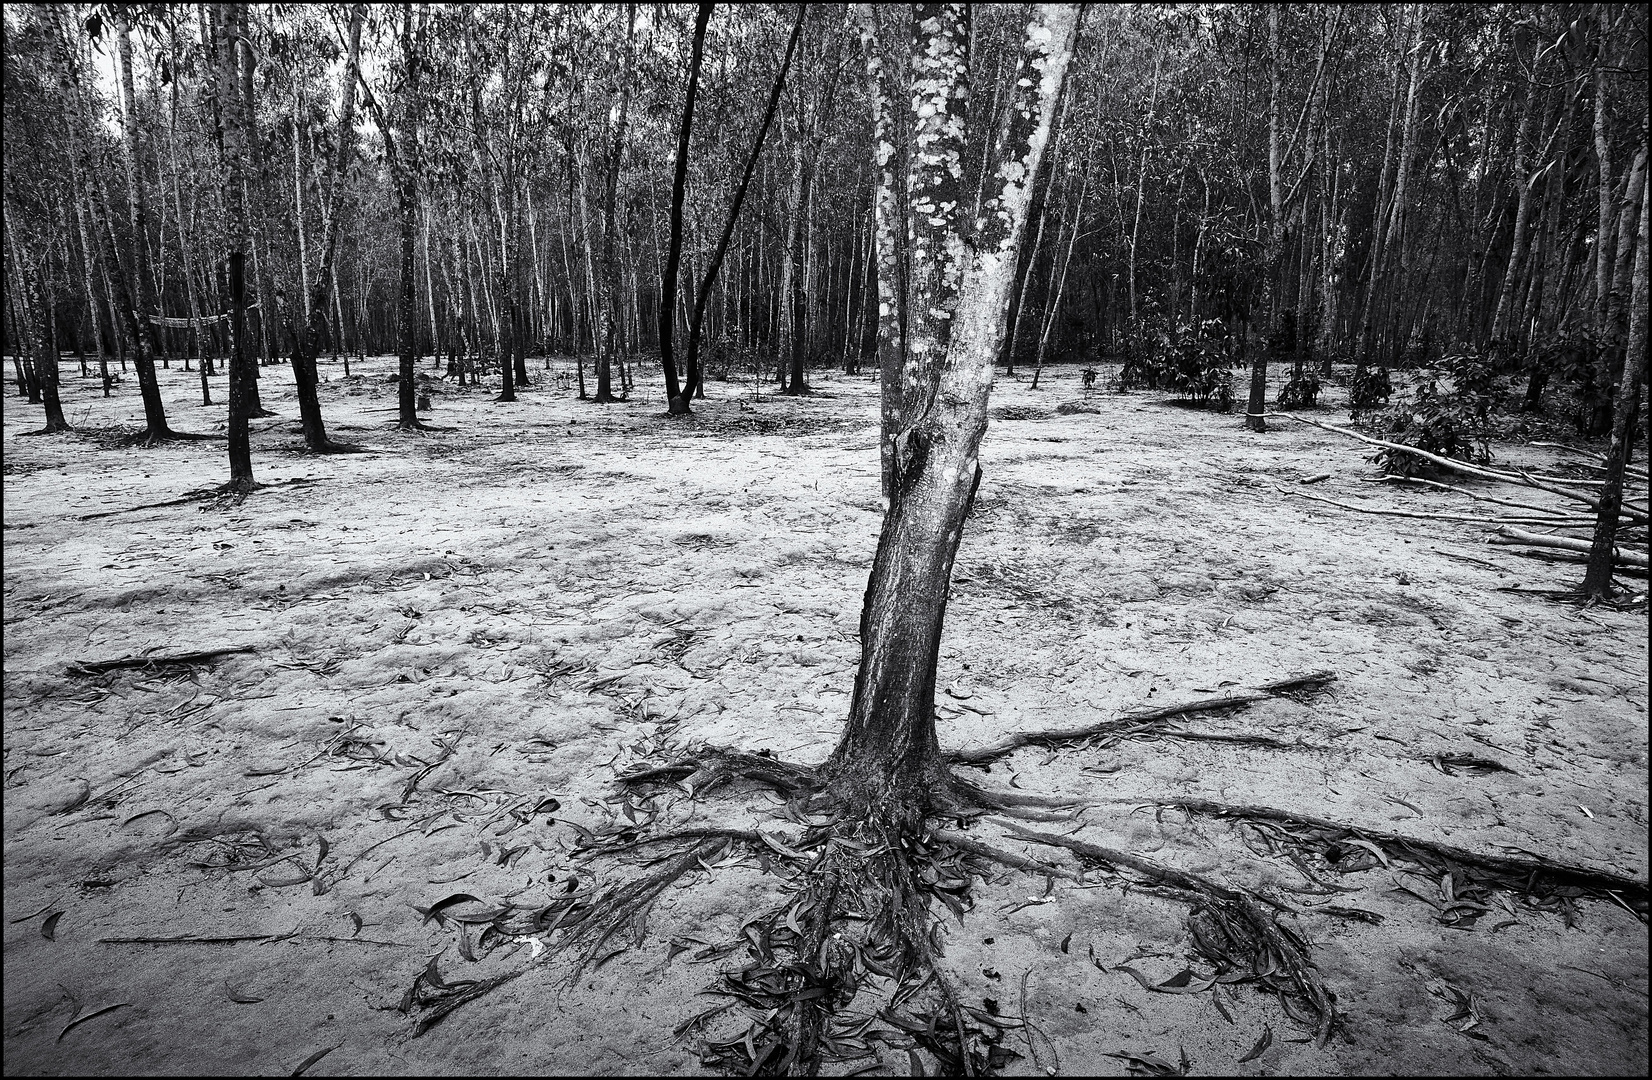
(550, 591)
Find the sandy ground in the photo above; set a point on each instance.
(552, 590)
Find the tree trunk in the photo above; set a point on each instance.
(607, 293)
(1255, 410)
(1597, 578)
(138, 282)
(231, 23)
(696, 376)
(325, 292)
(888, 763)
(676, 399)
(792, 342)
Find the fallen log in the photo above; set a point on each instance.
(1508, 534)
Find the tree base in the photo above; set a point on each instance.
(865, 882)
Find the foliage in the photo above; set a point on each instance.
(1370, 387)
(1590, 374)
(1476, 384)
(1439, 423)
(1301, 391)
(1192, 362)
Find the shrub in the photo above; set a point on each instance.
(1369, 389)
(1475, 383)
(1199, 369)
(1440, 424)
(1301, 392)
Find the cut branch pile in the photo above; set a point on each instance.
(1633, 511)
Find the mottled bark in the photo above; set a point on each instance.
(888, 761)
(886, 77)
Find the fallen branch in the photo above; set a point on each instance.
(1467, 518)
(1508, 534)
(1391, 478)
(1566, 490)
(1628, 470)
(98, 667)
(1055, 736)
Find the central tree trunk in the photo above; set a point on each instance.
(888, 764)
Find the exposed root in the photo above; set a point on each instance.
(1546, 883)
(1229, 928)
(233, 493)
(709, 768)
(625, 907)
(1136, 721)
(329, 446)
(154, 660)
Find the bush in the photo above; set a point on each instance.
(1475, 381)
(1301, 392)
(1439, 424)
(1146, 346)
(1369, 389)
(1199, 369)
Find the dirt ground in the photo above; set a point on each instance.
(552, 590)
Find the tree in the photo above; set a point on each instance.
(232, 109)
(676, 399)
(696, 323)
(1597, 579)
(324, 291)
(402, 154)
(888, 763)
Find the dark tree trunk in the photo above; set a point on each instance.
(677, 400)
(242, 362)
(325, 288)
(1597, 579)
(696, 377)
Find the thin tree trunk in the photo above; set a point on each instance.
(139, 280)
(1597, 579)
(677, 401)
(232, 107)
(325, 292)
(696, 377)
